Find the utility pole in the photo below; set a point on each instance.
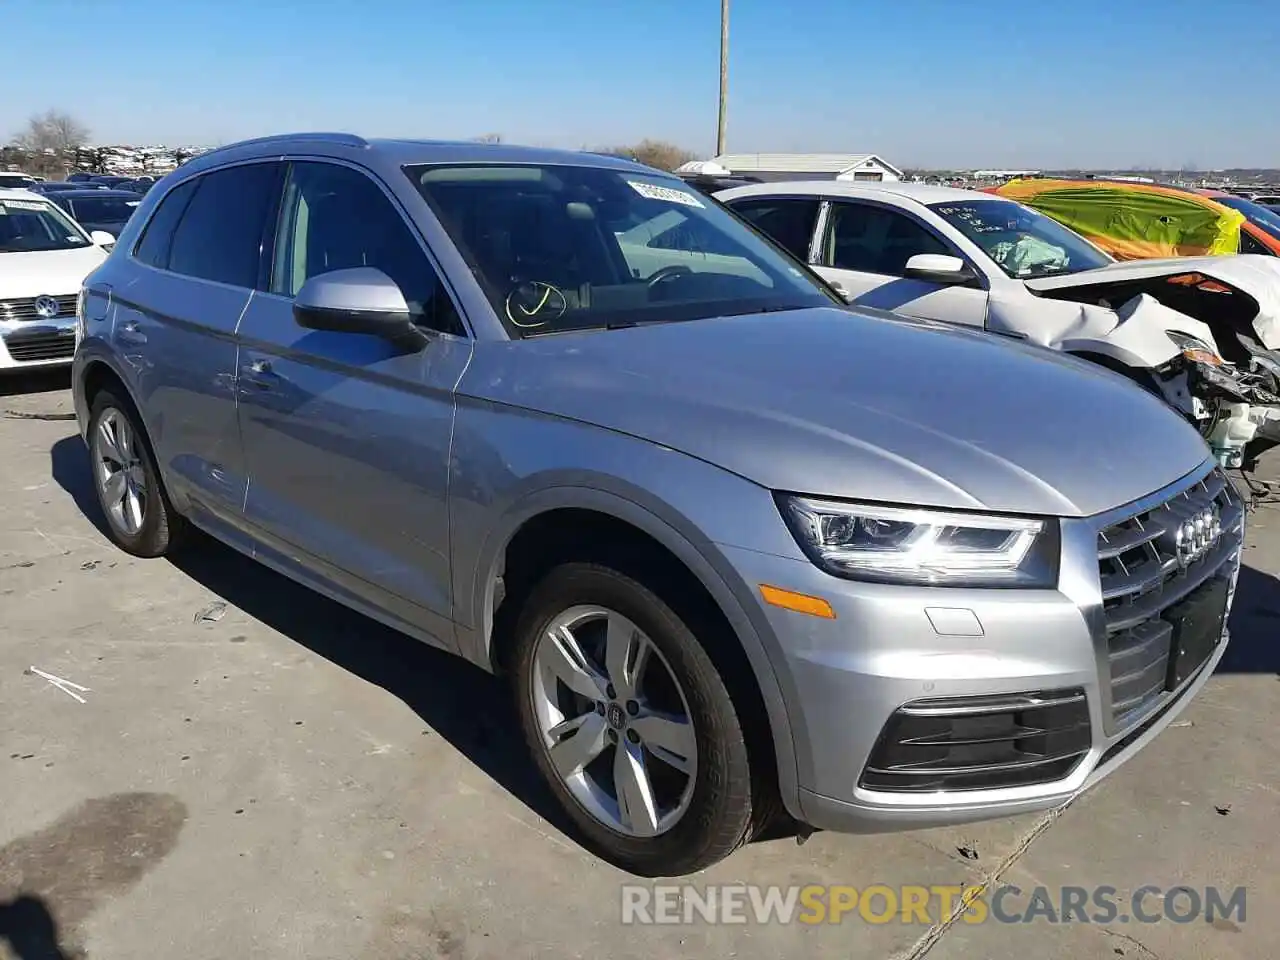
(724, 74)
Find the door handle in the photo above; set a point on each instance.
(261, 368)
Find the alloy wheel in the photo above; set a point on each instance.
(614, 721)
(122, 481)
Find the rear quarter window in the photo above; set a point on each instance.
(153, 248)
(220, 234)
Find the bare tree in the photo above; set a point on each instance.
(653, 153)
(51, 140)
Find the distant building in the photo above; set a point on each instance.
(1004, 174)
(1129, 179)
(808, 166)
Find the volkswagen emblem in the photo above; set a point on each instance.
(46, 307)
(1197, 535)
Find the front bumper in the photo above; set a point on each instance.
(889, 646)
(38, 342)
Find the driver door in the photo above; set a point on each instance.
(865, 248)
(346, 436)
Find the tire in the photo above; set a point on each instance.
(715, 814)
(141, 521)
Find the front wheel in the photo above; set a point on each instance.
(630, 723)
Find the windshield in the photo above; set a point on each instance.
(103, 209)
(1022, 242)
(1257, 214)
(15, 180)
(31, 225)
(560, 248)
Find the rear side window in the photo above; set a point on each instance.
(872, 239)
(220, 234)
(789, 223)
(153, 248)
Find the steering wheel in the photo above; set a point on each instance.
(667, 273)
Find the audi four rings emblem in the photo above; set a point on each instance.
(1196, 535)
(46, 307)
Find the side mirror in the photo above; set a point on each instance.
(358, 300)
(102, 238)
(938, 268)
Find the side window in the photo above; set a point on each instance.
(220, 234)
(153, 248)
(1250, 244)
(875, 240)
(333, 218)
(789, 223)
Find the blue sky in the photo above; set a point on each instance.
(923, 82)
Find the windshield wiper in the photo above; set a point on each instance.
(769, 308)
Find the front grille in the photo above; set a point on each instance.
(47, 345)
(25, 309)
(980, 743)
(1143, 578)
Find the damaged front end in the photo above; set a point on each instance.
(1225, 376)
(1230, 405)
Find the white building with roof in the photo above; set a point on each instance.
(809, 166)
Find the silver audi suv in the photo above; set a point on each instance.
(740, 551)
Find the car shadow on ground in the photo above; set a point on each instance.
(69, 465)
(469, 708)
(29, 930)
(35, 381)
(1255, 625)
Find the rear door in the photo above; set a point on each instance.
(789, 221)
(198, 261)
(347, 436)
(864, 248)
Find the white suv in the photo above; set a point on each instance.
(44, 257)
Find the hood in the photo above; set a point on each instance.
(867, 407)
(1254, 274)
(54, 272)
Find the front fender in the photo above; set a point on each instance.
(508, 467)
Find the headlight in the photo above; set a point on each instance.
(921, 546)
(1193, 348)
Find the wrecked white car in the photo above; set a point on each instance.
(1202, 333)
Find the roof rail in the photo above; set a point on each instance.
(345, 139)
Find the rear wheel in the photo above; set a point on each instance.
(630, 723)
(140, 518)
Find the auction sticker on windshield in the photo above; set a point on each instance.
(22, 205)
(654, 192)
